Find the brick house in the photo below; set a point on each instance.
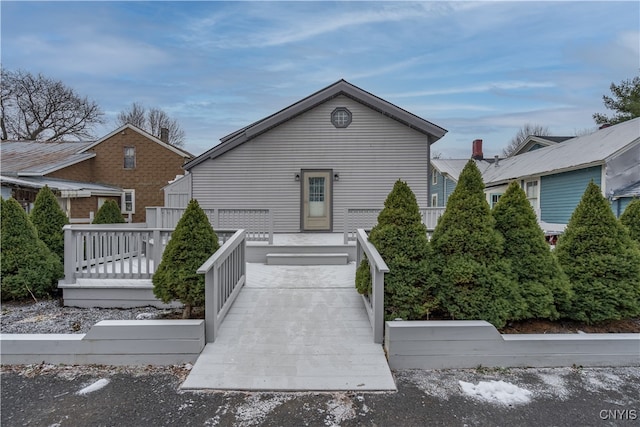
(128, 165)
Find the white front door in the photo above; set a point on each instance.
(316, 200)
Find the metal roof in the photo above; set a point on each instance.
(341, 87)
(33, 158)
(575, 153)
(453, 167)
(66, 187)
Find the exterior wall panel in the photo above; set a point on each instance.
(561, 193)
(369, 156)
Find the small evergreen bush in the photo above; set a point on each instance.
(401, 239)
(48, 218)
(29, 268)
(109, 213)
(470, 277)
(191, 244)
(543, 285)
(601, 260)
(630, 218)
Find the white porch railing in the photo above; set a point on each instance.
(374, 302)
(258, 223)
(112, 251)
(225, 274)
(355, 218)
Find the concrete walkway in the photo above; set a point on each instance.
(294, 328)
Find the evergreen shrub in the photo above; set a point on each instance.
(191, 244)
(470, 277)
(49, 219)
(28, 268)
(401, 239)
(630, 218)
(601, 260)
(543, 285)
(109, 213)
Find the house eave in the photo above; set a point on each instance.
(340, 88)
(546, 173)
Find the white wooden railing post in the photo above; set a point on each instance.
(70, 253)
(377, 303)
(346, 227)
(271, 226)
(158, 217)
(157, 248)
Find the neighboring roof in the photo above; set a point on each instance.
(632, 190)
(33, 158)
(545, 141)
(341, 87)
(576, 153)
(173, 148)
(66, 188)
(452, 167)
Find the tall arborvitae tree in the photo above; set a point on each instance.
(470, 276)
(109, 213)
(601, 260)
(543, 285)
(630, 218)
(48, 218)
(401, 239)
(191, 244)
(29, 268)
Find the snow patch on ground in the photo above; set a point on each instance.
(496, 392)
(256, 409)
(339, 409)
(555, 382)
(101, 383)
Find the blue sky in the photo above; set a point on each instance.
(478, 69)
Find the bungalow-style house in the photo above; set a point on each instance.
(339, 148)
(128, 165)
(555, 176)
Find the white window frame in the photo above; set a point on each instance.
(533, 199)
(491, 196)
(124, 161)
(434, 176)
(123, 201)
(434, 200)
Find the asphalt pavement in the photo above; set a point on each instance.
(46, 395)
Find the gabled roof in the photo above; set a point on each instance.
(34, 158)
(341, 87)
(451, 168)
(147, 135)
(544, 141)
(632, 190)
(576, 153)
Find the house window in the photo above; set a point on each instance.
(434, 176)
(494, 198)
(129, 157)
(434, 200)
(128, 201)
(532, 191)
(341, 117)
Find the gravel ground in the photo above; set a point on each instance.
(49, 317)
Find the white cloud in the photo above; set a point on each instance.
(486, 87)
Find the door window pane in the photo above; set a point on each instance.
(316, 197)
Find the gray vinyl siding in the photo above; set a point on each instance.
(561, 193)
(369, 155)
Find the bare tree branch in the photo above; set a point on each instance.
(152, 120)
(525, 131)
(43, 109)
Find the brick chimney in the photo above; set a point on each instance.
(476, 150)
(164, 135)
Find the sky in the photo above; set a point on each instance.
(481, 70)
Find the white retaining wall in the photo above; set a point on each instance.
(470, 343)
(112, 293)
(110, 342)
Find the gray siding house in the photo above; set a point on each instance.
(339, 148)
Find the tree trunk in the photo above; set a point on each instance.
(186, 311)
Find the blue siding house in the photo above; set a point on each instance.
(555, 176)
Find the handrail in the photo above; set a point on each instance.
(225, 274)
(367, 218)
(373, 302)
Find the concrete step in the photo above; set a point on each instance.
(308, 259)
